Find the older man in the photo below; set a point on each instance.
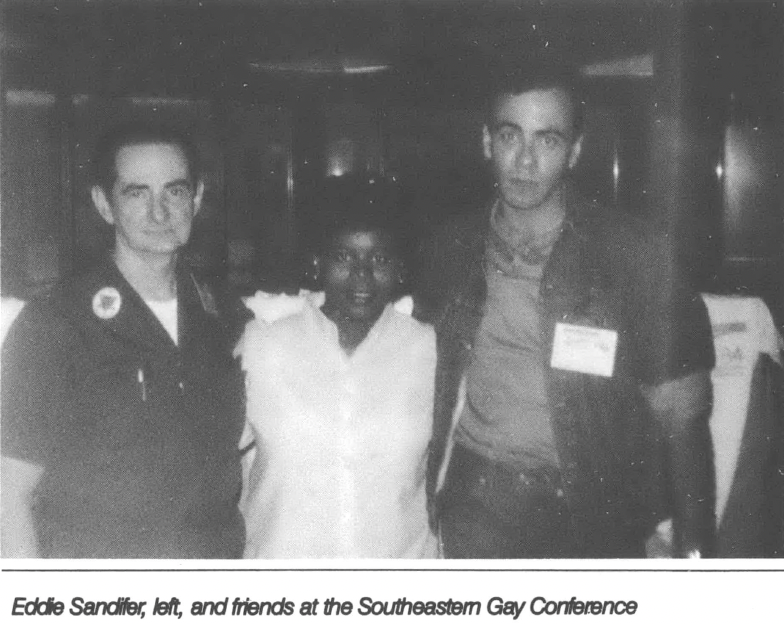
(121, 405)
(583, 359)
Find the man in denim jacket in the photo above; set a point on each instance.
(573, 375)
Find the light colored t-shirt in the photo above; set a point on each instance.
(342, 440)
(166, 313)
(507, 415)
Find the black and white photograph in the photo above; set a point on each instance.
(319, 283)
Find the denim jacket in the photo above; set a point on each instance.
(608, 271)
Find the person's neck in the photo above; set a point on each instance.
(535, 224)
(153, 276)
(351, 332)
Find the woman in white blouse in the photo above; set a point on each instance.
(340, 399)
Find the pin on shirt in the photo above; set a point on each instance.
(107, 303)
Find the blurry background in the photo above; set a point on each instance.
(685, 123)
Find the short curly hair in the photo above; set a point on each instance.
(356, 203)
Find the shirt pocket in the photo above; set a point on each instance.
(110, 400)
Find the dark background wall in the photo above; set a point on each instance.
(685, 123)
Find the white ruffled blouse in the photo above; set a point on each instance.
(342, 440)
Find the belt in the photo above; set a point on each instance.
(467, 466)
(504, 487)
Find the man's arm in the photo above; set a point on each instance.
(19, 479)
(683, 407)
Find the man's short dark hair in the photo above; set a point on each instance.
(139, 133)
(509, 80)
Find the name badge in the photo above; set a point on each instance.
(584, 349)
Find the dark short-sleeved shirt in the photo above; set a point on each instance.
(137, 436)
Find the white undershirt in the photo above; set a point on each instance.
(166, 312)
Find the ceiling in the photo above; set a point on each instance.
(432, 49)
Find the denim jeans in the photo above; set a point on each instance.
(495, 510)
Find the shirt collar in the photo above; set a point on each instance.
(575, 213)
